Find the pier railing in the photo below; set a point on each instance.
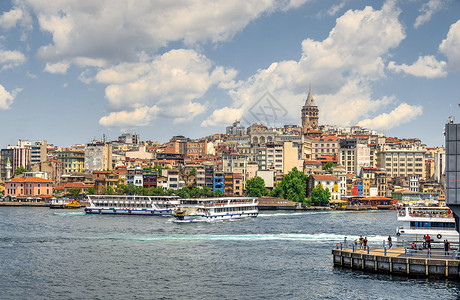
(403, 249)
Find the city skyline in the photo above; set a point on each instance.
(73, 70)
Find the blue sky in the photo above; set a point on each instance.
(72, 70)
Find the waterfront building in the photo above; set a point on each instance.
(218, 181)
(77, 185)
(327, 181)
(309, 114)
(173, 180)
(149, 178)
(104, 180)
(134, 176)
(205, 176)
(29, 187)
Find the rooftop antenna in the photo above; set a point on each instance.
(451, 117)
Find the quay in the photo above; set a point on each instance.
(399, 261)
(31, 204)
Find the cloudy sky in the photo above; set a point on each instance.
(71, 70)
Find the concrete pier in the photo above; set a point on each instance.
(395, 262)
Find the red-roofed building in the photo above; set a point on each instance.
(83, 186)
(28, 187)
(327, 181)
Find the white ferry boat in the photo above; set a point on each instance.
(438, 222)
(216, 209)
(134, 205)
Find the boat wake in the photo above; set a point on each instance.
(321, 237)
(81, 213)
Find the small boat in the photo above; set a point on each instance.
(417, 221)
(73, 205)
(216, 209)
(132, 205)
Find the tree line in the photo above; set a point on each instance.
(293, 187)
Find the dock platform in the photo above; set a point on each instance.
(397, 261)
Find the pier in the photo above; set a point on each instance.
(399, 261)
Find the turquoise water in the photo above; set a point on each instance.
(53, 254)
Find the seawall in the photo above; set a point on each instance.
(397, 264)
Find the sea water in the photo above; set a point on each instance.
(60, 254)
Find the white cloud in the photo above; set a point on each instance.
(11, 59)
(223, 116)
(7, 98)
(10, 18)
(172, 82)
(141, 116)
(425, 66)
(427, 10)
(404, 113)
(57, 68)
(341, 69)
(450, 47)
(116, 31)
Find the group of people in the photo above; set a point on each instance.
(362, 242)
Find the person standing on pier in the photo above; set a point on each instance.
(446, 247)
(365, 242)
(424, 241)
(390, 243)
(361, 240)
(428, 241)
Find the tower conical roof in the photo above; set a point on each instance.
(310, 101)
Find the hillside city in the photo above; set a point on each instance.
(351, 162)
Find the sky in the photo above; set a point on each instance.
(73, 70)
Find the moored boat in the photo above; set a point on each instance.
(216, 209)
(418, 221)
(131, 205)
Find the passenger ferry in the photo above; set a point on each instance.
(132, 205)
(417, 221)
(216, 209)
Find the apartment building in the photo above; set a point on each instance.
(402, 162)
(74, 161)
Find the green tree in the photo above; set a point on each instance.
(277, 192)
(255, 187)
(320, 196)
(75, 192)
(218, 193)
(183, 193)
(19, 170)
(108, 190)
(328, 167)
(206, 191)
(91, 191)
(294, 186)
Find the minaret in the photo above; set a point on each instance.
(310, 114)
(8, 169)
